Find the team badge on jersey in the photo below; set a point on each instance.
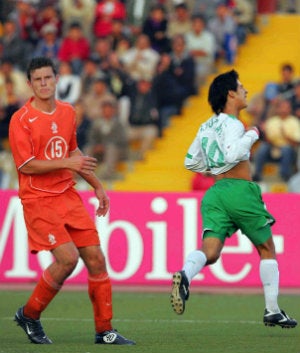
(54, 128)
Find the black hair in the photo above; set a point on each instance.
(219, 88)
(287, 66)
(198, 16)
(38, 63)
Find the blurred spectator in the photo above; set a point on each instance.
(286, 85)
(105, 12)
(23, 16)
(201, 45)
(123, 45)
(75, 48)
(295, 100)
(80, 11)
(169, 93)
(49, 44)
(83, 125)
(141, 60)
(244, 15)
(180, 22)
(256, 108)
(48, 15)
(120, 84)
(223, 26)
(183, 65)
(143, 117)
(205, 7)
(8, 73)
(294, 183)
(107, 141)
(101, 52)
(68, 87)
(14, 48)
(155, 27)
(282, 137)
(273, 91)
(202, 181)
(90, 72)
(93, 99)
(6, 7)
(11, 104)
(170, 4)
(118, 35)
(119, 81)
(174, 81)
(137, 12)
(8, 178)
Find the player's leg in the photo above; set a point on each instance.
(269, 275)
(216, 225)
(28, 317)
(208, 254)
(100, 293)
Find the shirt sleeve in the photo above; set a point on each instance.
(195, 159)
(20, 142)
(238, 142)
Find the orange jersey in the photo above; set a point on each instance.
(45, 136)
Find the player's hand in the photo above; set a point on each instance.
(82, 164)
(103, 202)
(254, 128)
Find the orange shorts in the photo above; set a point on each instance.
(52, 221)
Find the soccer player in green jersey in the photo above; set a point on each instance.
(222, 147)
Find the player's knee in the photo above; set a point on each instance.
(212, 258)
(94, 260)
(267, 249)
(96, 263)
(212, 247)
(69, 263)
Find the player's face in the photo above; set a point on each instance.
(43, 83)
(242, 95)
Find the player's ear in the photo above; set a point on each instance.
(231, 94)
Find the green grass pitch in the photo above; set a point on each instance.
(212, 323)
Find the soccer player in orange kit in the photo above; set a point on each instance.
(42, 137)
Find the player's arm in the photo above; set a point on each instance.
(96, 184)
(238, 142)
(76, 162)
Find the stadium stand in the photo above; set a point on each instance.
(274, 41)
(258, 62)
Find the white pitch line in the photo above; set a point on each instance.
(164, 321)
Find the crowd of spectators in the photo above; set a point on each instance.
(276, 112)
(126, 66)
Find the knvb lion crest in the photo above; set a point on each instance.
(54, 128)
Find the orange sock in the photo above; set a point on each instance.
(44, 292)
(101, 297)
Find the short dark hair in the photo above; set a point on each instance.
(182, 5)
(287, 66)
(219, 88)
(39, 62)
(198, 16)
